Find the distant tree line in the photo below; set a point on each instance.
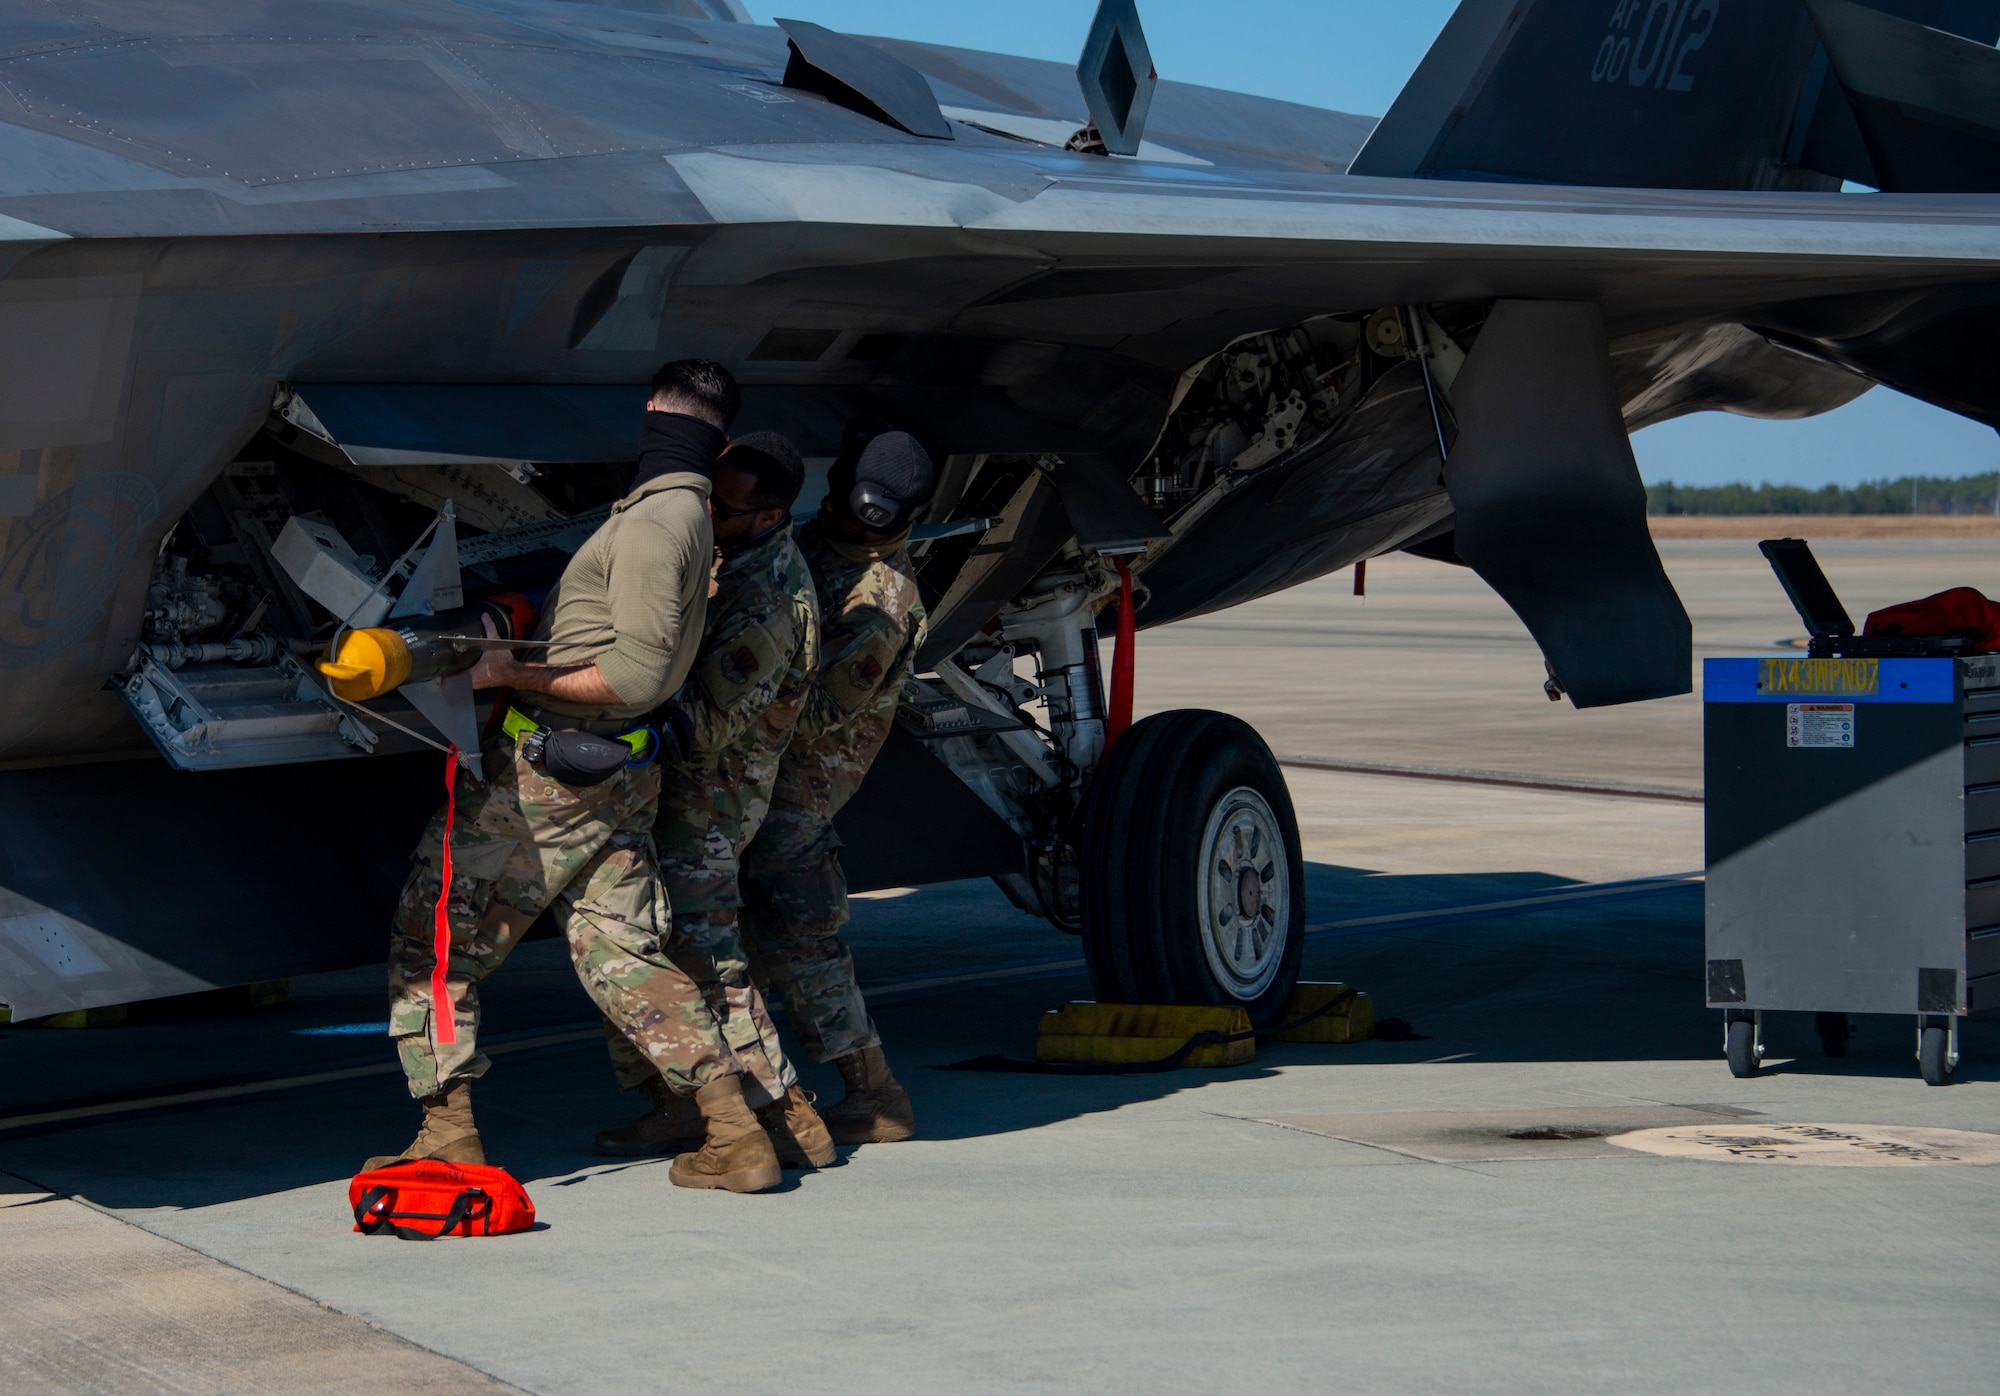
(1912, 494)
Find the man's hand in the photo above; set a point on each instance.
(573, 683)
(497, 667)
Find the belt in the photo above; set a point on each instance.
(557, 722)
(520, 728)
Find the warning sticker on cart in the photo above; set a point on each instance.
(1819, 724)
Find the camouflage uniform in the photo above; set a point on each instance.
(523, 842)
(750, 681)
(872, 623)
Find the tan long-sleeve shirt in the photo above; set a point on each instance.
(634, 597)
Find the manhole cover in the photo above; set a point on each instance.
(1837, 1146)
(1516, 1136)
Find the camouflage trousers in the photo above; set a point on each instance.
(706, 945)
(523, 843)
(795, 902)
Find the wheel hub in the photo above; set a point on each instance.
(1245, 894)
(1249, 892)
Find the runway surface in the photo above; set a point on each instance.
(1403, 1215)
(1432, 669)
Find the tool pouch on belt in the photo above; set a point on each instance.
(583, 759)
(423, 1199)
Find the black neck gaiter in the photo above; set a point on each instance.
(757, 541)
(671, 444)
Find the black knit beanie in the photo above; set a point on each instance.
(895, 462)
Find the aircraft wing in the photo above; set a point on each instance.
(532, 116)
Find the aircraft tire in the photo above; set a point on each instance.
(1193, 879)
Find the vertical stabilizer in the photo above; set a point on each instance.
(1908, 106)
(1661, 94)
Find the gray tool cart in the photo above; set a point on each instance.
(1853, 831)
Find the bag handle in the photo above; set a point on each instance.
(373, 1216)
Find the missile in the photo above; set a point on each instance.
(407, 631)
(369, 662)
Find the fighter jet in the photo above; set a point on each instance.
(317, 318)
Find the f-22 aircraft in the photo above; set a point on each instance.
(354, 302)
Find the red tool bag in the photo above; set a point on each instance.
(1960, 611)
(424, 1199)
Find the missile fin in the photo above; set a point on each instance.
(447, 705)
(435, 585)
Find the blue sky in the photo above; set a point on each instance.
(1354, 55)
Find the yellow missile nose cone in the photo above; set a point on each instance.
(366, 664)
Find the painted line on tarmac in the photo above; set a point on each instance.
(1500, 778)
(170, 1098)
(909, 987)
(920, 986)
(899, 990)
(1584, 893)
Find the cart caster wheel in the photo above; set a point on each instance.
(1833, 1033)
(1934, 1056)
(1742, 1043)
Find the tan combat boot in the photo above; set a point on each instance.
(448, 1135)
(673, 1126)
(738, 1156)
(877, 1108)
(797, 1131)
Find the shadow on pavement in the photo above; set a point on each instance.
(1616, 981)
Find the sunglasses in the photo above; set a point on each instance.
(724, 513)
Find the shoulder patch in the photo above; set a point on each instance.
(855, 675)
(739, 664)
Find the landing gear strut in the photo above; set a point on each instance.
(1175, 854)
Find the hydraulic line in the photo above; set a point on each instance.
(1423, 346)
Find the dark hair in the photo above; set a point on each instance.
(773, 462)
(699, 388)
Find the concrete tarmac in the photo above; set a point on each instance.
(1432, 669)
(1439, 1214)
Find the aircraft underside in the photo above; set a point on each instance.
(308, 303)
(151, 618)
(1303, 435)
